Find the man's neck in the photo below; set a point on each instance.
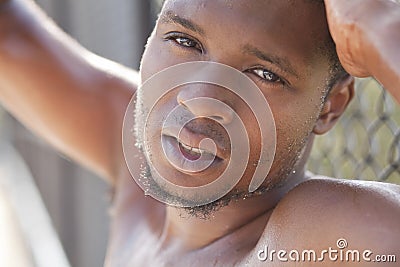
(188, 232)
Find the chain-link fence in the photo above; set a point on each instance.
(365, 143)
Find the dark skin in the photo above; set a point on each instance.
(305, 212)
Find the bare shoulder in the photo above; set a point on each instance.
(325, 213)
(346, 198)
(353, 195)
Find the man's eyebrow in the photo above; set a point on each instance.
(282, 62)
(171, 17)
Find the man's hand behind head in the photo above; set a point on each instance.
(367, 38)
(342, 21)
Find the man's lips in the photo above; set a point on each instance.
(192, 153)
(189, 141)
(188, 160)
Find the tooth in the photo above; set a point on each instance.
(193, 149)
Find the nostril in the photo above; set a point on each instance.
(219, 119)
(207, 107)
(182, 103)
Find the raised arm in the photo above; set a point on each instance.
(70, 97)
(367, 35)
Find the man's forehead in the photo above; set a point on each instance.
(267, 4)
(261, 13)
(297, 26)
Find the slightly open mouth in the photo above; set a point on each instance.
(191, 153)
(186, 158)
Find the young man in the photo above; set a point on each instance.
(77, 102)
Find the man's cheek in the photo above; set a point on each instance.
(291, 137)
(154, 59)
(157, 57)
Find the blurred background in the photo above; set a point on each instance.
(364, 145)
(77, 200)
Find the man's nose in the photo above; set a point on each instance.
(206, 100)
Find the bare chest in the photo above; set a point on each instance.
(142, 248)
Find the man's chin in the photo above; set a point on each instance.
(206, 211)
(188, 207)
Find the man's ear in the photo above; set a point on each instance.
(336, 103)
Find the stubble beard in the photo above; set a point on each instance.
(287, 163)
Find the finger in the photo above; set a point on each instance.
(353, 69)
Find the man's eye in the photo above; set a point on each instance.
(267, 76)
(184, 41)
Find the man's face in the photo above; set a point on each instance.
(277, 43)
